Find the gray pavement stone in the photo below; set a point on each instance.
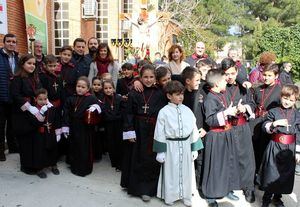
(100, 189)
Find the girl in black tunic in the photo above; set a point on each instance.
(75, 109)
(112, 119)
(277, 171)
(139, 125)
(25, 115)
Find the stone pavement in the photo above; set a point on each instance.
(100, 189)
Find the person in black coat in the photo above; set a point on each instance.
(285, 75)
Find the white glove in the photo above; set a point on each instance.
(43, 109)
(33, 110)
(66, 134)
(58, 137)
(231, 110)
(65, 131)
(297, 155)
(194, 155)
(161, 157)
(91, 109)
(95, 107)
(49, 105)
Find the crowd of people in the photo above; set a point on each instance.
(171, 128)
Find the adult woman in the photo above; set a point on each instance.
(176, 63)
(104, 63)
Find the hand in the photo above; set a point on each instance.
(92, 108)
(231, 110)
(297, 156)
(240, 107)
(33, 110)
(202, 132)
(58, 137)
(194, 155)
(138, 86)
(43, 109)
(132, 140)
(66, 134)
(247, 84)
(161, 157)
(280, 122)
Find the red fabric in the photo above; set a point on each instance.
(102, 65)
(195, 56)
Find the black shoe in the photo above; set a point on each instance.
(233, 197)
(249, 196)
(265, 204)
(41, 174)
(55, 171)
(28, 171)
(2, 157)
(278, 202)
(213, 204)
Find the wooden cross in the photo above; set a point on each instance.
(48, 125)
(55, 85)
(145, 107)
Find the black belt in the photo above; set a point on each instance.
(178, 139)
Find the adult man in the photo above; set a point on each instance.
(39, 56)
(8, 65)
(81, 62)
(93, 47)
(198, 54)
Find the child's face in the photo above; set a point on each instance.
(288, 101)
(106, 76)
(108, 89)
(204, 70)
(97, 85)
(269, 77)
(164, 80)
(81, 87)
(51, 67)
(175, 98)
(148, 78)
(29, 65)
(231, 74)
(41, 99)
(66, 56)
(127, 73)
(222, 84)
(194, 82)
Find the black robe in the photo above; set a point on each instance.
(141, 172)
(124, 85)
(54, 85)
(68, 75)
(285, 78)
(243, 136)
(271, 100)
(80, 151)
(24, 123)
(220, 165)
(112, 119)
(277, 170)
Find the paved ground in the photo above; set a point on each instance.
(100, 189)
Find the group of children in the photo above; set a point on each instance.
(165, 136)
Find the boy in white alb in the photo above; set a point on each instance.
(176, 141)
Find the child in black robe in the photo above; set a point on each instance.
(25, 115)
(242, 98)
(75, 110)
(47, 135)
(220, 164)
(266, 97)
(277, 170)
(139, 124)
(125, 84)
(112, 120)
(100, 146)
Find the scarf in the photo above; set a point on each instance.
(102, 65)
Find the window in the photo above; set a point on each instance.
(61, 24)
(127, 6)
(102, 21)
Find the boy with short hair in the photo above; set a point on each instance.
(125, 84)
(176, 141)
(220, 164)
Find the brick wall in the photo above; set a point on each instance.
(16, 23)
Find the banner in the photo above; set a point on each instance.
(3, 17)
(35, 15)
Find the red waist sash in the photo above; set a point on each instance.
(284, 138)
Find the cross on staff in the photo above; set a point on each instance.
(48, 125)
(55, 85)
(145, 107)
